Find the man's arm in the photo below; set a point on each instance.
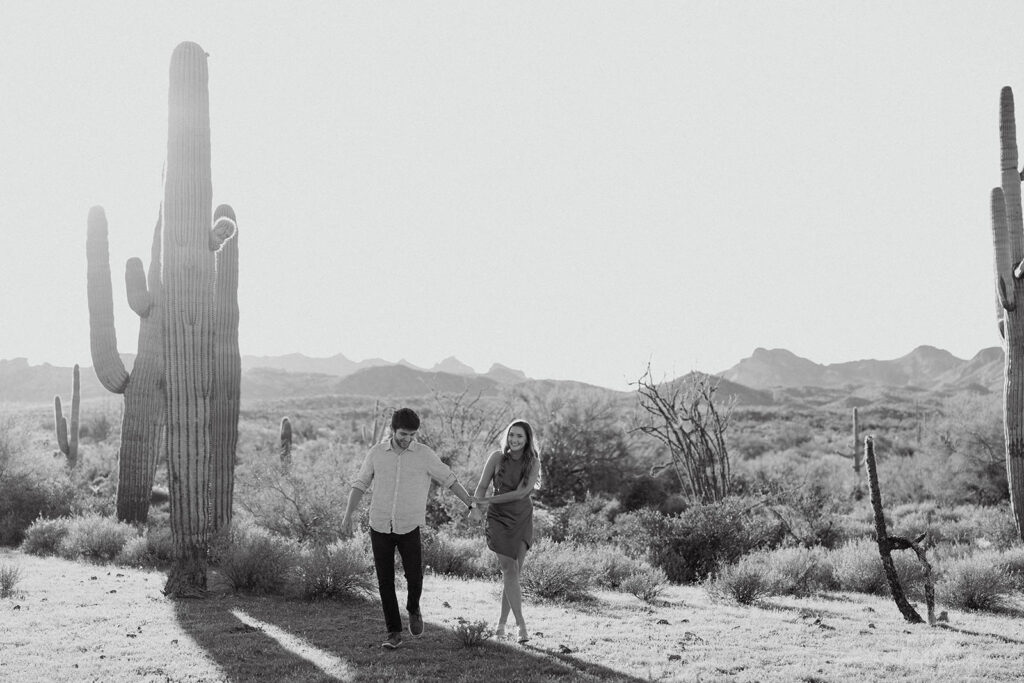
(354, 498)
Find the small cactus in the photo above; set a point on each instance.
(286, 442)
(67, 435)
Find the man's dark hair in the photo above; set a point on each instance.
(405, 418)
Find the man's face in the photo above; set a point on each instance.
(403, 437)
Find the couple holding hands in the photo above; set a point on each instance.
(400, 470)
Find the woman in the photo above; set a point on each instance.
(514, 471)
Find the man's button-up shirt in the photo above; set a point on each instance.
(401, 482)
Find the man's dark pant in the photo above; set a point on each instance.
(384, 560)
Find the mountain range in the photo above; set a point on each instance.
(767, 376)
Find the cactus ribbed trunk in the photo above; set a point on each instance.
(142, 422)
(286, 443)
(1008, 240)
(227, 374)
(188, 314)
(67, 434)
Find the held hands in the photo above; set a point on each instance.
(476, 514)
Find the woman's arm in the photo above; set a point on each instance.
(487, 474)
(522, 491)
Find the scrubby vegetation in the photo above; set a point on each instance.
(795, 523)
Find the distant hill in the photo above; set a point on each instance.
(926, 367)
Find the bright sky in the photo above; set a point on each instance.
(568, 188)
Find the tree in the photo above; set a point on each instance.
(683, 415)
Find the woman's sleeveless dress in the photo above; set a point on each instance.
(509, 524)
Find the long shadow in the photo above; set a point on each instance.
(994, 636)
(275, 639)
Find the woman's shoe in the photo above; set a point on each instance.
(523, 635)
(500, 631)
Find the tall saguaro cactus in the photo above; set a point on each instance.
(190, 319)
(67, 433)
(1008, 240)
(227, 375)
(142, 422)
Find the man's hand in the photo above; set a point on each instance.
(476, 514)
(346, 527)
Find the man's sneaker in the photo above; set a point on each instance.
(416, 624)
(394, 639)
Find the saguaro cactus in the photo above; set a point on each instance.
(189, 318)
(286, 443)
(1008, 241)
(142, 422)
(227, 373)
(67, 438)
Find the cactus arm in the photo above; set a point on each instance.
(76, 400)
(61, 425)
(227, 372)
(224, 226)
(102, 337)
(1010, 184)
(135, 284)
(1003, 259)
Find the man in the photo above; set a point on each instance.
(400, 470)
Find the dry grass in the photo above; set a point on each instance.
(75, 621)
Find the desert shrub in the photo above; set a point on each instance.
(799, 571)
(744, 582)
(612, 567)
(691, 546)
(811, 494)
(340, 571)
(964, 524)
(633, 531)
(255, 560)
(97, 426)
(646, 583)
(10, 575)
(557, 571)
(857, 567)
(154, 548)
(586, 521)
(977, 582)
(29, 493)
(445, 553)
(644, 491)
(472, 633)
(304, 503)
(95, 538)
(45, 536)
(1012, 562)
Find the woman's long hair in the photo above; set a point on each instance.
(531, 453)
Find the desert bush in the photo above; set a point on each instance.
(691, 546)
(986, 526)
(10, 575)
(96, 426)
(857, 567)
(799, 571)
(445, 553)
(45, 536)
(646, 583)
(27, 494)
(304, 503)
(154, 548)
(976, 582)
(611, 566)
(95, 538)
(633, 531)
(557, 571)
(472, 633)
(744, 582)
(255, 560)
(586, 521)
(644, 491)
(340, 571)
(1012, 562)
